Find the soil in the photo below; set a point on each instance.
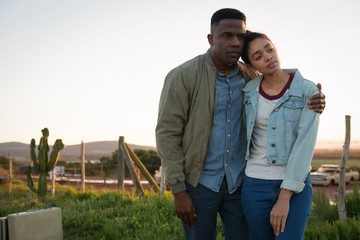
(106, 186)
(332, 191)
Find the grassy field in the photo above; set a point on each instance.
(333, 155)
(109, 215)
(353, 164)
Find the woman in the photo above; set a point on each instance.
(281, 137)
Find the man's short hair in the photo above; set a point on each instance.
(227, 13)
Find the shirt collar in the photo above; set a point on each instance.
(235, 70)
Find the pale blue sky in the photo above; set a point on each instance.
(93, 70)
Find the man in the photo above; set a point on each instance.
(200, 135)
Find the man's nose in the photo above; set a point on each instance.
(235, 42)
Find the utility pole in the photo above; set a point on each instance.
(10, 174)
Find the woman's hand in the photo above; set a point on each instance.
(280, 211)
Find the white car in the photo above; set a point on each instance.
(329, 174)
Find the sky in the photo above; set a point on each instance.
(93, 70)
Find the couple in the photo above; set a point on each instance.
(237, 147)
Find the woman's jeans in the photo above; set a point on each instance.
(208, 204)
(259, 197)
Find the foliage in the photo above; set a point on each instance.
(104, 214)
(112, 214)
(324, 224)
(4, 162)
(150, 159)
(322, 209)
(352, 203)
(107, 166)
(348, 230)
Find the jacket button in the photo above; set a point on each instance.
(273, 145)
(273, 161)
(273, 126)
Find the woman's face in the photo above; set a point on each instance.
(263, 56)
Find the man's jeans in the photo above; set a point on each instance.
(208, 204)
(259, 197)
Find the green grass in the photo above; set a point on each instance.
(98, 214)
(112, 214)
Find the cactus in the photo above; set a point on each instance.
(42, 162)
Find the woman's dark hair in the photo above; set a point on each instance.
(249, 37)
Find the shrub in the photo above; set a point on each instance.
(352, 203)
(347, 230)
(323, 210)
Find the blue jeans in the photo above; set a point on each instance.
(259, 197)
(208, 204)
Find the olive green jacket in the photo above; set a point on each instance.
(185, 117)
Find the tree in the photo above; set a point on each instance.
(149, 158)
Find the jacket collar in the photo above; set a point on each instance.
(209, 61)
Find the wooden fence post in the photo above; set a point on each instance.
(121, 165)
(344, 156)
(83, 166)
(53, 179)
(130, 165)
(10, 175)
(143, 170)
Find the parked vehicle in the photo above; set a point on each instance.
(330, 174)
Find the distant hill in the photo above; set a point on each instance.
(93, 150)
(97, 150)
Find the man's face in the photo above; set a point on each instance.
(226, 42)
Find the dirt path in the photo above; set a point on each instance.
(332, 191)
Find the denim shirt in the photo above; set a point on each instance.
(292, 129)
(227, 143)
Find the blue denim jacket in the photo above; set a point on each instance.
(292, 128)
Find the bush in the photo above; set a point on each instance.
(324, 224)
(352, 203)
(323, 210)
(347, 230)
